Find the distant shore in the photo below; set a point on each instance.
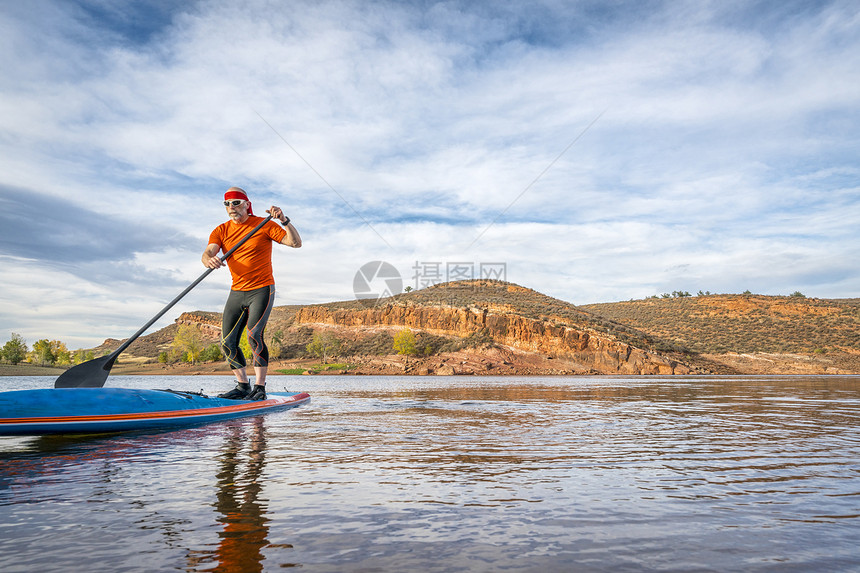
(473, 362)
(122, 369)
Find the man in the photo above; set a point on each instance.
(253, 292)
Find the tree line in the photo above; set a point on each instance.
(684, 294)
(44, 352)
(188, 346)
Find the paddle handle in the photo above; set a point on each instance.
(223, 257)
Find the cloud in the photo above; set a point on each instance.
(64, 234)
(724, 158)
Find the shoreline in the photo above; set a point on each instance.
(472, 363)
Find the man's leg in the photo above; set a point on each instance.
(233, 322)
(241, 375)
(259, 308)
(260, 372)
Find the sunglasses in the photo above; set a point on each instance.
(233, 203)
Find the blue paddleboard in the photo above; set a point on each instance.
(95, 410)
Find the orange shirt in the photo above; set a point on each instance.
(251, 264)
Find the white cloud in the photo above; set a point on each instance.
(725, 158)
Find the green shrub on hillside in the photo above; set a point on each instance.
(324, 345)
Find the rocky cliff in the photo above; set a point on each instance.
(505, 324)
(208, 322)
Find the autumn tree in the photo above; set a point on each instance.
(60, 353)
(404, 343)
(276, 344)
(42, 352)
(82, 355)
(188, 342)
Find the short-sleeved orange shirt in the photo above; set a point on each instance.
(251, 264)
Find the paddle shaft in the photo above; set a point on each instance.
(223, 258)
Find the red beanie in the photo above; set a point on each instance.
(238, 193)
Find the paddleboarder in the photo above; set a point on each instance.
(252, 293)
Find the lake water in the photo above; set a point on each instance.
(455, 474)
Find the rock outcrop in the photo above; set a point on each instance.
(595, 352)
(208, 322)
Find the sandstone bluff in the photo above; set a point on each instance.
(580, 349)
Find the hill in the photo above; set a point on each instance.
(493, 327)
(794, 334)
(505, 316)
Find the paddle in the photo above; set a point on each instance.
(93, 373)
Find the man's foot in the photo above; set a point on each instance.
(240, 392)
(258, 393)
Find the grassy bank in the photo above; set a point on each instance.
(29, 370)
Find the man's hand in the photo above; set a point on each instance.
(210, 258)
(213, 263)
(277, 213)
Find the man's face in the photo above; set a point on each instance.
(237, 212)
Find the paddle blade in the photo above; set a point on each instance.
(89, 374)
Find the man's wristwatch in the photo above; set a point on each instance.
(286, 221)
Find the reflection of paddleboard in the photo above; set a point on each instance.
(90, 410)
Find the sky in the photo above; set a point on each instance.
(594, 151)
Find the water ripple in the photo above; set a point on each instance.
(458, 474)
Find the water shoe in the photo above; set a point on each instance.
(240, 392)
(258, 393)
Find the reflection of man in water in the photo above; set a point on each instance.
(245, 523)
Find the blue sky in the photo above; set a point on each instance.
(602, 151)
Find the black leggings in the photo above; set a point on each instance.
(251, 308)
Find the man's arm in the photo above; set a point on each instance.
(292, 239)
(210, 257)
